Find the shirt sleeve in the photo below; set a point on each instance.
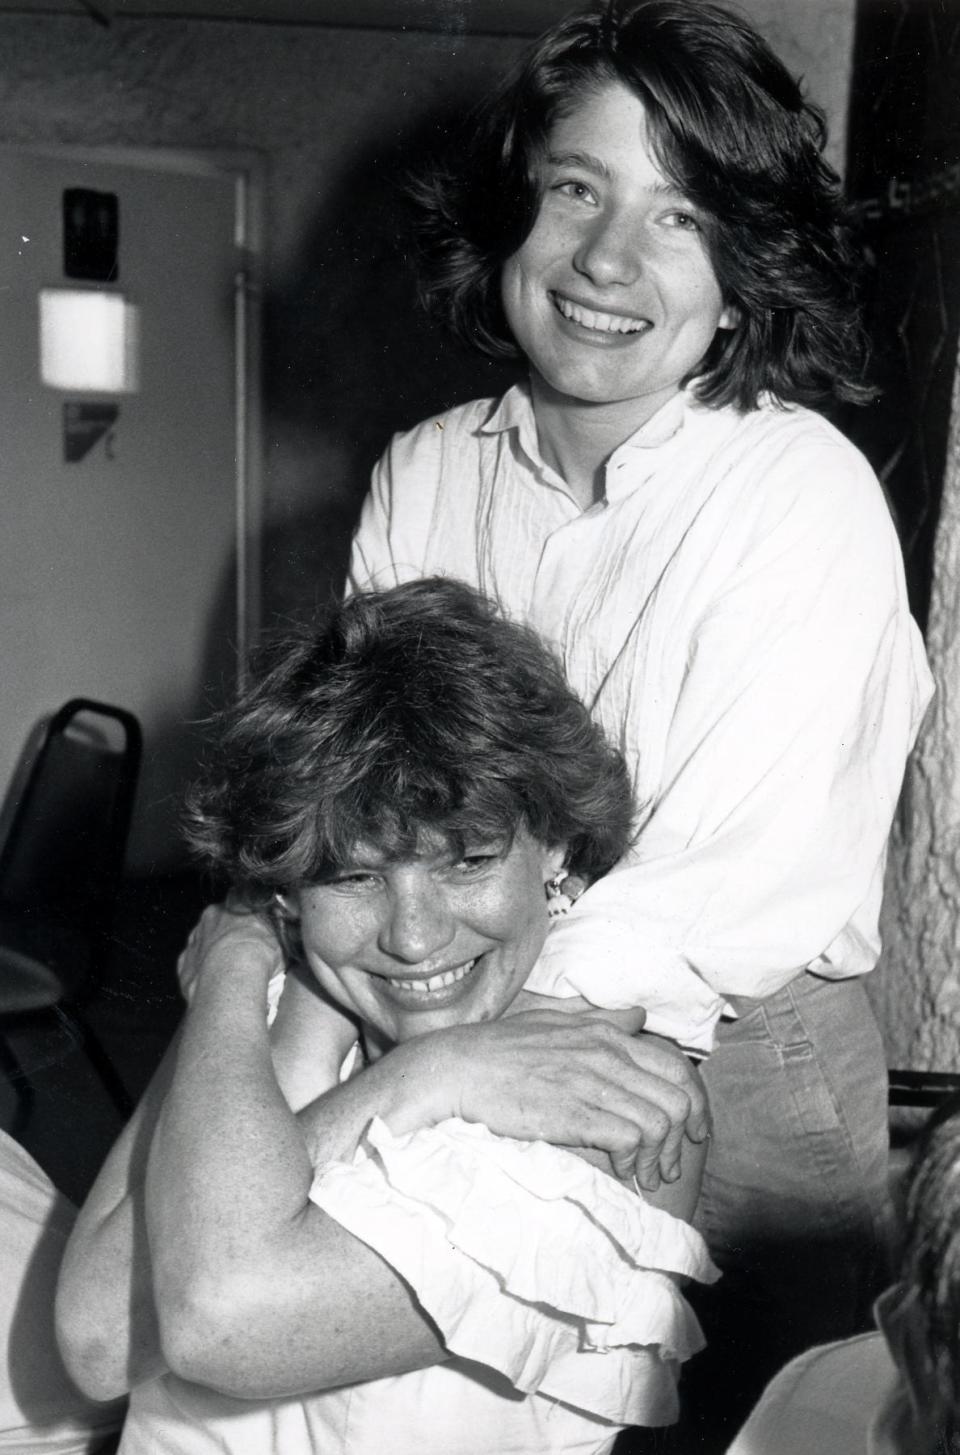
(388, 545)
(480, 1227)
(762, 852)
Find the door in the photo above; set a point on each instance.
(122, 536)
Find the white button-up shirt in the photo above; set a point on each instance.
(733, 611)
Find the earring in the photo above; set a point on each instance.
(282, 907)
(562, 892)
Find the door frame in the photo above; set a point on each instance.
(247, 170)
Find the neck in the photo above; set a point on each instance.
(577, 438)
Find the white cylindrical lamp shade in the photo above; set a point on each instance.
(89, 340)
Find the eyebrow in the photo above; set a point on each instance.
(584, 160)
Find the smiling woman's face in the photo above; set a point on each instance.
(613, 296)
(418, 944)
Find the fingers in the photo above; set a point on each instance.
(228, 938)
(658, 1097)
(634, 1136)
(665, 1060)
(630, 1021)
(657, 1112)
(577, 1080)
(528, 1000)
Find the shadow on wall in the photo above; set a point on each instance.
(349, 358)
(904, 141)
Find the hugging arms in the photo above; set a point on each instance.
(200, 1249)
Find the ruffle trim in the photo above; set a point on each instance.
(529, 1261)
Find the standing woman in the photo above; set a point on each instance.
(643, 215)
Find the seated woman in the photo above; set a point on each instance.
(406, 1264)
(896, 1390)
(40, 1408)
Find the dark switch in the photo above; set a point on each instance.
(91, 224)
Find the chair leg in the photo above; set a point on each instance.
(98, 1058)
(20, 1083)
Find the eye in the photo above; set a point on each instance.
(475, 863)
(354, 881)
(682, 221)
(576, 190)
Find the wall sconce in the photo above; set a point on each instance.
(89, 340)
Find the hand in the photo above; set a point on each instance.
(231, 938)
(572, 1080)
(631, 1020)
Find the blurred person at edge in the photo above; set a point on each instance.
(896, 1390)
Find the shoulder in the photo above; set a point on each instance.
(798, 445)
(825, 1397)
(436, 440)
(420, 489)
(795, 471)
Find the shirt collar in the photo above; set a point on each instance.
(514, 411)
(511, 411)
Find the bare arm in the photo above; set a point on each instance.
(106, 1322)
(269, 1296)
(254, 1282)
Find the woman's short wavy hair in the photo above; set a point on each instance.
(409, 712)
(731, 129)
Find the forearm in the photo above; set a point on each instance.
(105, 1315)
(309, 1039)
(267, 1296)
(106, 1321)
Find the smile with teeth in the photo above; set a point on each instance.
(599, 322)
(435, 982)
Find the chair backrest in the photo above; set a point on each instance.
(63, 853)
(922, 1088)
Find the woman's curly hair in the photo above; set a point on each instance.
(731, 129)
(409, 712)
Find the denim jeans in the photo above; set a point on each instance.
(795, 1200)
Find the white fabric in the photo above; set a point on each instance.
(482, 1227)
(734, 614)
(40, 1408)
(545, 1278)
(838, 1399)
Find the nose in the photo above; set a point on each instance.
(610, 251)
(417, 923)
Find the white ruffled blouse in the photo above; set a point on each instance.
(552, 1285)
(530, 1262)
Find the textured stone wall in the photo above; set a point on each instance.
(917, 987)
(904, 139)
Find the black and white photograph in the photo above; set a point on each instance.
(480, 727)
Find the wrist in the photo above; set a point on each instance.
(235, 979)
(254, 959)
(423, 1085)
